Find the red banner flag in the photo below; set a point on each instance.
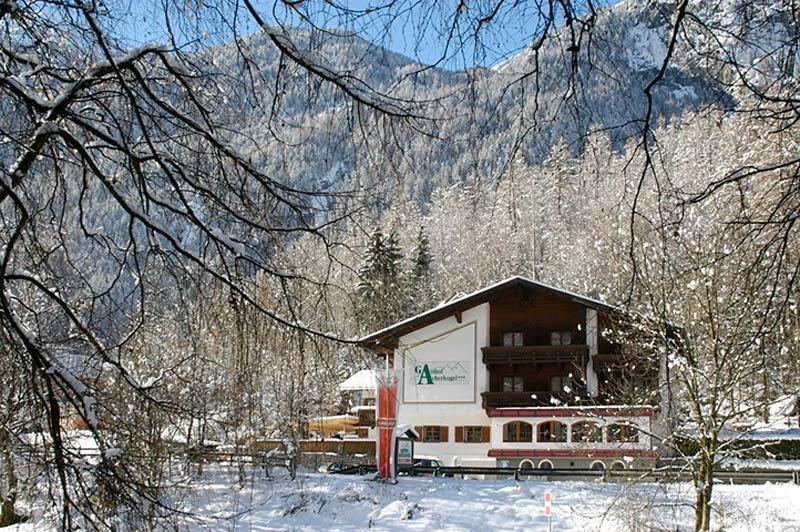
(386, 407)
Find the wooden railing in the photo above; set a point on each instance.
(523, 399)
(531, 354)
(654, 474)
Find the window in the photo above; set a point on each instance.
(515, 431)
(472, 434)
(598, 466)
(561, 383)
(547, 465)
(512, 383)
(513, 339)
(552, 431)
(619, 432)
(433, 433)
(586, 431)
(561, 338)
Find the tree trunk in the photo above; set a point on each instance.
(8, 516)
(704, 484)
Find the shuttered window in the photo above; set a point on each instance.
(433, 433)
(473, 434)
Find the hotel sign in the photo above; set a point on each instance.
(441, 369)
(449, 372)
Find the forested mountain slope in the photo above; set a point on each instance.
(477, 117)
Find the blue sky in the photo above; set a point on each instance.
(427, 35)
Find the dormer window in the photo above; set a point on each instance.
(513, 339)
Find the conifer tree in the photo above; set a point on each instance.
(420, 282)
(381, 285)
(422, 260)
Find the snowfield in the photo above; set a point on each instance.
(317, 501)
(333, 502)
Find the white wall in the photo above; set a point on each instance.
(442, 369)
(447, 404)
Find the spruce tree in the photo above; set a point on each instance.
(382, 284)
(420, 281)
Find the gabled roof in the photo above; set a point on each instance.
(460, 304)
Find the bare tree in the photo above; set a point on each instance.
(125, 180)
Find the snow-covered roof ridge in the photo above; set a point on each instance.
(476, 295)
(365, 379)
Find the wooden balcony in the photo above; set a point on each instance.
(535, 354)
(526, 399)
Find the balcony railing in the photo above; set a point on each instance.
(576, 354)
(526, 399)
(555, 399)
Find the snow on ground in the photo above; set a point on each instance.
(317, 501)
(334, 502)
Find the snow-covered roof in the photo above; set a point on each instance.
(784, 406)
(782, 423)
(363, 380)
(403, 430)
(474, 299)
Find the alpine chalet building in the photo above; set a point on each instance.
(521, 374)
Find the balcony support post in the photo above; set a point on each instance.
(592, 386)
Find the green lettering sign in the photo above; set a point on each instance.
(423, 373)
(444, 372)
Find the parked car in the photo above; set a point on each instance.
(333, 467)
(429, 461)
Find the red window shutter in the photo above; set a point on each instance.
(459, 434)
(486, 434)
(421, 431)
(445, 435)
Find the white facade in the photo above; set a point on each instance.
(451, 405)
(441, 352)
(444, 376)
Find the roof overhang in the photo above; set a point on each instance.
(384, 340)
